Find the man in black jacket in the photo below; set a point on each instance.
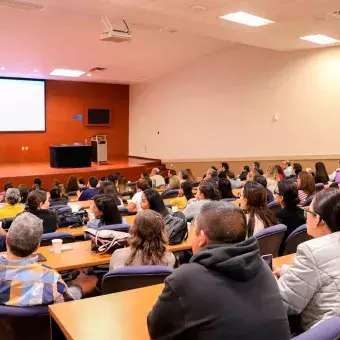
(226, 291)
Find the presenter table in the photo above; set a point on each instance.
(70, 156)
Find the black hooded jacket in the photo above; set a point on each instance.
(225, 292)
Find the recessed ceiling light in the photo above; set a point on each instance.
(2, 68)
(89, 75)
(246, 19)
(320, 39)
(36, 70)
(66, 73)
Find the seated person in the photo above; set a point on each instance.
(92, 190)
(254, 201)
(105, 211)
(174, 184)
(8, 185)
(12, 206)
(147, 244)
(134, 204)
(257, 167)
(81, 183)
(183, 176)
(321, 175)
(224, 188)
(38, 204)
(72, 184)
(217, 295)
(55, 197)
(224, 169)
(244, 173)
(205, 192)
(37, 185)
(310, 287)
(212, 177)
(23, 193)
(156, 178)
(151, 199)
(108, 188)
(262, 180)
(306, 186)
(123, 185)
(235, 183)
(25, 282)
(184, 195)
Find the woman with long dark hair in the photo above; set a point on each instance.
(321, 175)
(254, 202)
(147, 244)
(224, 188)
(108, 188)
(184, 195)
(306, 186)
(72, 184)
(151, 199)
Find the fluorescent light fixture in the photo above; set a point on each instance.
(66, 73)
(246, 19)
(89, 75)
(2, 68)
(320, 39)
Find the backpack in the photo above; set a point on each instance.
(176, 228)
(66, 218)
(337, 177)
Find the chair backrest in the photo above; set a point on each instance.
(6, 222)
(170, 193)
(299, 235)
(326, 330)
(334, 185)
(228, 199)
(24, 323)
(195, 184)
(120, 227)
(269, 239)
(319, 187)
(2, 243)
(48, 237)
(125, 212)
(127, 278)
(274, 207)
(308, 201)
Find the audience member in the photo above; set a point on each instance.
(290, 215)
(254, 202)
(37, 184)
(183, 176)
(108, 188)
(25, 282)
(174, 182)
(310, 287)
(72, 184)
(135, 204)
(335, 176)
(81, 183)
(156, 178)
(92, 190)
(151, 199)
(262, 180)
(287, 168)
(252, 174)
(38, 204)
(184, 195)
(212, 177)
(272, 176)
(218, 294)
(172, 172)
(224, 188)
(146, 245)
(297, 168)
(23, 193)
(280, 173)
(235, 183)
(321, 175)
(257, 168)
(12, 206)
(306, 186)
(191, 176)
(8, 185)
(114, 178)
(223, 170)
(244, 173)
(55, 197)
(123, 185)
(105, 211)
(205, 192)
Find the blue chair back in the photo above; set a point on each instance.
(308, 201)
(326, 330)
(24, 323)
(228, 199)
(6, 222)
(119, 227)
(2, 243)
(274, 207)
(125, 212)
(127, 278)
(269, 239)
(47, 238)
(319, 187)
(170, 193)
(299, 235)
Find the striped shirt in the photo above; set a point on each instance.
(302, 196)
(28, 283)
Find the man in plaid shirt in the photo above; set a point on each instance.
(23, 281)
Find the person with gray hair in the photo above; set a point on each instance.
(23, 281)
(157, 179)
(218, 294)
(12, 206)
(212, 177)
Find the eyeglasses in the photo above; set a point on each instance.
(306, 212)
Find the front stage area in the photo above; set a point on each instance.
(24, 173)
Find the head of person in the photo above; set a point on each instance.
(256, 165)
(8, 185)
(224, 188)
(321, 174)
(55, 192)
(183, 175)
(191, 176)
(285, 164)
(287, 194)
(93, 182)
(154, 172)
(37, 200)
(225, 166)
(12, 196)
(105, 208)
(272, 173)
(246, 168)
(172, 172)
(23, 193)
(280, 171)
(251, 174)
(113, 177)
(37, 181)
(81, 181)
(142, 185)
(55, 182)
(148, 236)
(297, 168)
(211, 173)
(306, 182)
(186, 190)
(72, 183)
(323, 214)
(151, 199)
(174, 182)
(207, 191)
(108, 188)
(218, 223)
(262, 180)
(24, 235)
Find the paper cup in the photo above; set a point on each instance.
(189, 225)
(174, 208)
(56, 245)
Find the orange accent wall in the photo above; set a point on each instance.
(63, 100)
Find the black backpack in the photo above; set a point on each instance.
(66, 218)
(176, 228)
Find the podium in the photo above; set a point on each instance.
(99, 149)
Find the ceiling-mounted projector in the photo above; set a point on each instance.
(115, 35)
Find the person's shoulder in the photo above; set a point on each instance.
(186, 275)
(319, 244)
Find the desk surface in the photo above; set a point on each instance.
(287, 259)
(119, 316)
(81, 204)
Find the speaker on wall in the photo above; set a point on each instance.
(98, 117)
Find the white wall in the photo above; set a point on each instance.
(223, 107)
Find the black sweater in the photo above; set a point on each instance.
(226, 292)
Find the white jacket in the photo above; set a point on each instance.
(311, 286)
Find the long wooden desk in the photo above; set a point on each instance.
(279, 261)
(106, 317)
(81, 204)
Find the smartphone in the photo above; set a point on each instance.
(269, 259)
(41, 257)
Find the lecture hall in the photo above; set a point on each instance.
(169, 169)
